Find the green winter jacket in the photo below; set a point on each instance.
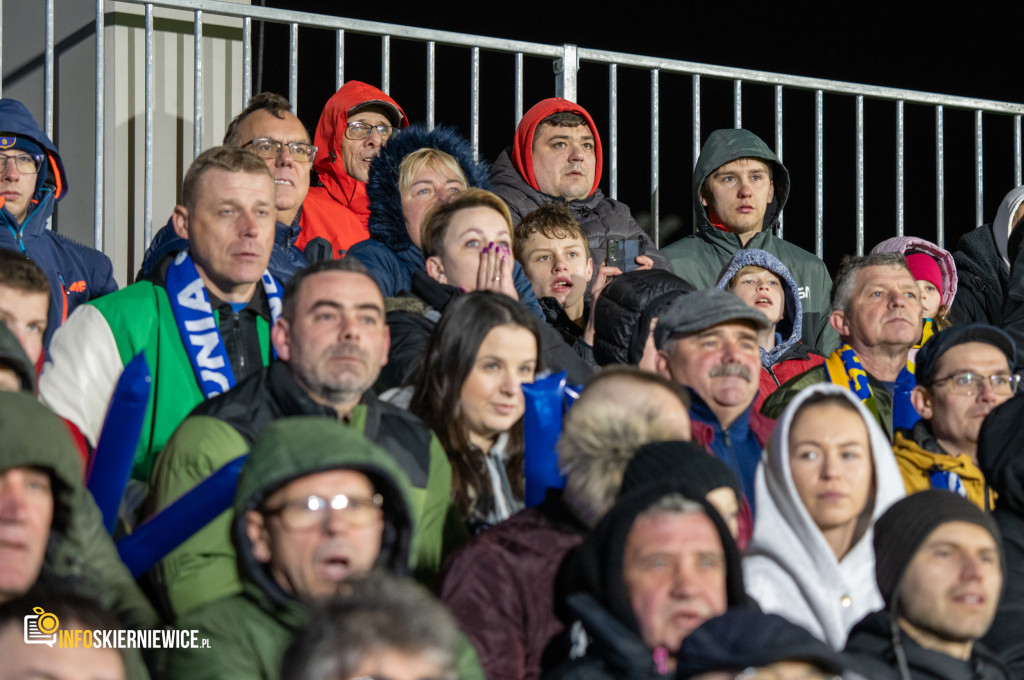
(699, 258)
(249, 632)
(202, 569)
(780, 398)
(80, 554)
(94, 345)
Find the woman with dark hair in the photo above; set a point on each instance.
(469, 393)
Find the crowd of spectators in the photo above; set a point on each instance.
(768, 470)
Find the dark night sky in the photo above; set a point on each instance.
(955, 53)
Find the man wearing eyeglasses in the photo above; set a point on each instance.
(331, 342)
(32, 180)
(962, 374)
(268, 128)
(356, 122)
(316, 502)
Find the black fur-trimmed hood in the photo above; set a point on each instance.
(387, 223)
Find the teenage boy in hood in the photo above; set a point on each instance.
(315, 502)
(939, 565)
(654, 569)
(557, 154)
(739, 190)
(356, 123)
(32, 180)
(764, 283)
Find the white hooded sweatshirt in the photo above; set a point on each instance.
(789, 567)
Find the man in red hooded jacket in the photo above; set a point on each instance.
(557, 155)
(357, 120)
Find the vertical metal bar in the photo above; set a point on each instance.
(819, 173)
(778, 138)
(979, 170)
(48, 72)
(293, 67)
(97, 210)
(737, 103)
(566, 70)
(900, 169)
(519, 87)
(246, 60)
(339, 57)
(655, 189)
(431, 79)
(385, 63)
(197, 114)
(860, 174)
(613, 130)
(940, 188)
(474, 122)
(1017, 151)
(147, 184)
(696, 134)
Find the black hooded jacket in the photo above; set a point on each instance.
(600, 600)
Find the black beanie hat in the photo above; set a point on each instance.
(905, 526)
(686, 463)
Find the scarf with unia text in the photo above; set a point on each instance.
(198, 327)
(843, 368)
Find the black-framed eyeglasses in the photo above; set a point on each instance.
(267, 148)
(969, 384)
(27, 163)
(359, 130)
(301, 514)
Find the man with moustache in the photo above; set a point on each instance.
(707, 341)
(331, 343)
(876, 309)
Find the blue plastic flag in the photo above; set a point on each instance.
(115, 452)
(163, 532)
(547, 400)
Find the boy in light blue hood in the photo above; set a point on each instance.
(763, 282)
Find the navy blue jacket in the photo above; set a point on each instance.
(77, 273)
(285, 258)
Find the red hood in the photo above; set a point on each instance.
(331, 130)
(522, 147)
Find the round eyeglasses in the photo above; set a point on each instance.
(312, 511)
(969, 384)
(358, 130)
(267, 149)
(27, 164)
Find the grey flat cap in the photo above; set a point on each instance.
(701, 310)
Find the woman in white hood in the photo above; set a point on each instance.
(827, 474)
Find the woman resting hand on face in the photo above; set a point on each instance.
(827, 474)
(469, 392)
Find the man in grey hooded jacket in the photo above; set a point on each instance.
(739, 190)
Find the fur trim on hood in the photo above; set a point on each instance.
(911, 244)
(387, 224)
(790, 327)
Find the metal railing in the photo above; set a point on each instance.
(566, 62)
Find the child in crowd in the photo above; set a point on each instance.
(764, 283)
